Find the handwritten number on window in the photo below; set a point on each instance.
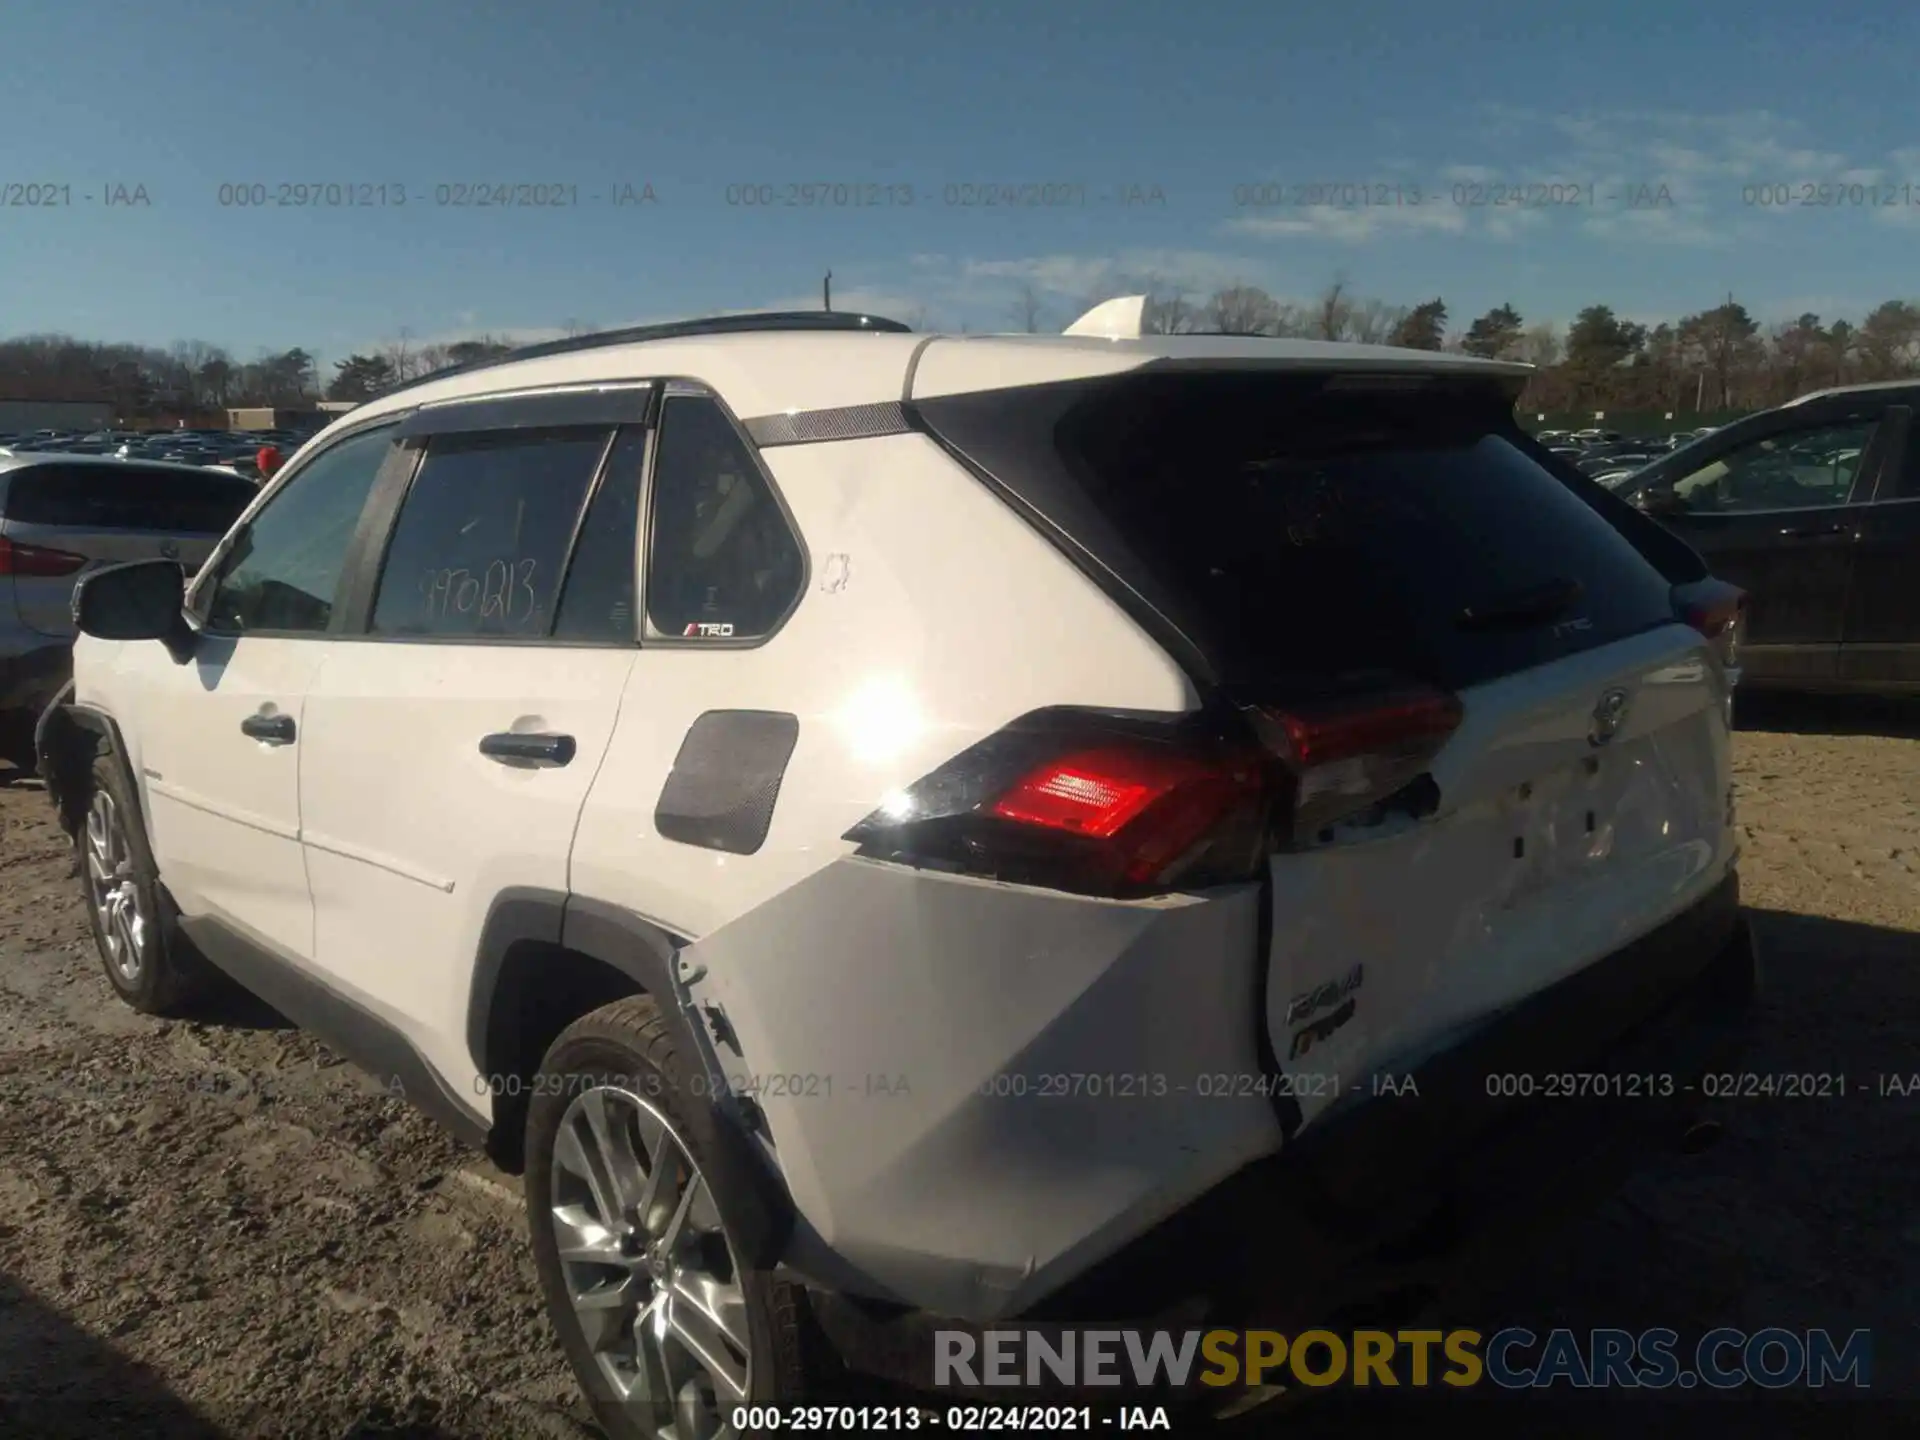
(503, 591)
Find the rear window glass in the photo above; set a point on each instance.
(1321, 532)
(125, 497)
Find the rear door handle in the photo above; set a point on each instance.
(273, 729)
(1814, 532)
(509, 747)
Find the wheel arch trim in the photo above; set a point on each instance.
(749, 1192)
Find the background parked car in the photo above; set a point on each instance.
(63, 515)
(1812, 509)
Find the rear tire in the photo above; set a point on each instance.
(147, 963)
(668, 1334)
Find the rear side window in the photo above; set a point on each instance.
(126, 496)
(482, 538)
(1318, 532)
(597, 601)
(724, 564)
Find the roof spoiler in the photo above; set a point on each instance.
(1117, 319)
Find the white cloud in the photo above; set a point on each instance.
(1702, 163)
(1075, 276)
(1356, 224)
(1658, 227)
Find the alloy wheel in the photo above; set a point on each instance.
(125, 928)
(648, 1267)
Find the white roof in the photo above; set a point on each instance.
(768, 372)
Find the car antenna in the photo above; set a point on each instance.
(826, 292)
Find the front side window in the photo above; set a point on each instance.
(284, 567)
(483, 535)
(724, 564)
(1796, 470)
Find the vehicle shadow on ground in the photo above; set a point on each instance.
(1783, 712)
(57, 1381)
(227, 1006)
(1801, 1217)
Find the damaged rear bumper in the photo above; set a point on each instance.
(1366, 1219)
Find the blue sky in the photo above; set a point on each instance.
(1176, 109)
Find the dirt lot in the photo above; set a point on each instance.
(217, 1229)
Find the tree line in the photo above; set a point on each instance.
(194, 377)
(1715, 359)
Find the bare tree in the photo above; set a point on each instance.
(1028, 308)
(1334, 311)
(1539, 344)
(1243, 310)
(1169, 313)
(1373, 322)
(400, 357)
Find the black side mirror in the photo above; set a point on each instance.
(141, 600)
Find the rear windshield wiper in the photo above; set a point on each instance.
(1531, 606)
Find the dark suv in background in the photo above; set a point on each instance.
(1814, 510)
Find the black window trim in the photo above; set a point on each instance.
(601, 478)
(207, 582)
(610, 402)
(1890, 484)
(383, 520)
(679, 387)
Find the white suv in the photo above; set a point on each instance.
(891, 831)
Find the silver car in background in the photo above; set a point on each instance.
(64, 515)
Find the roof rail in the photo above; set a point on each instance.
(769, 320)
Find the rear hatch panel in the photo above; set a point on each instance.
(1549, 851)
(1286, 533)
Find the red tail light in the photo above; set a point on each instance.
(1714, 620)
(1718, 611)
(1346, 757)
(36, 561)
(1079, 801)
(1151, 808)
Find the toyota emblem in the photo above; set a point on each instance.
(1609, 714)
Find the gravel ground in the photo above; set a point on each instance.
(217, 1229)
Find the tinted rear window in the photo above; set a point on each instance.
(125, 497)
(1324, 533)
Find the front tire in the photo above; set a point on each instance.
(146, 963)
(666, 1331)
